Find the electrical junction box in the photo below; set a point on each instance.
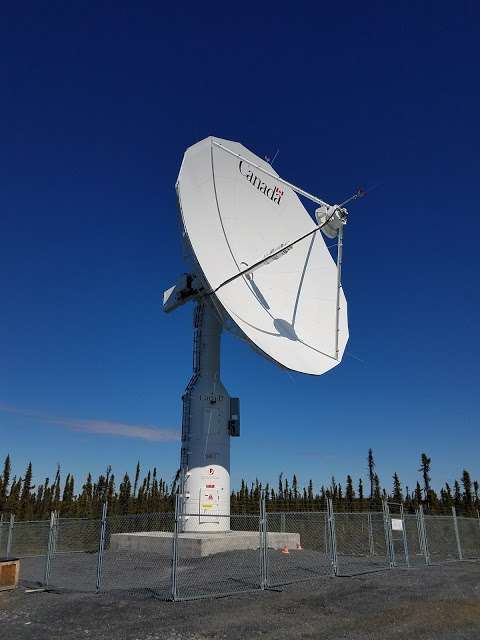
(234, 422)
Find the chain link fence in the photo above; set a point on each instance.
(158, 555)
(297, 547)
(442, 539)
(136, 554)
(29, 541)
(73, 554)
(360, 543)
(469, 535)
(414, 540)
(213, 564)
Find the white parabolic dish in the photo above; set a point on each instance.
(233, 216)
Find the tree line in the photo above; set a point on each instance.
(149, 493)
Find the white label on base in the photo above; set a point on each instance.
(397, 524)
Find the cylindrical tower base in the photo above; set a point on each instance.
(205, 432)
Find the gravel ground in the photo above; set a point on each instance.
(218, 574)
(435, 603)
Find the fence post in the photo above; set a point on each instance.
(265, 543)
(426, 550)
(332, 536)
(260, 536)
(173, 579)
(101, 547)
(457, 535)
(404, 533)
(478, 520)
(371, 542)
(387, 522)
(420, 535)
(56, 529)
(264, 582)
(10, 535)
(50, 549)
(327, 535)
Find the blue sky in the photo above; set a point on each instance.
(99, 104)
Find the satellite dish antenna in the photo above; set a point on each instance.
(259, 268)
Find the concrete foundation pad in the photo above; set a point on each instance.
(198, 544)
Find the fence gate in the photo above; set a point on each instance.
(396, 534)
(416, 544)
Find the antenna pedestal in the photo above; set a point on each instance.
(207, 424)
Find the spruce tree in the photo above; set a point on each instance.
(147, 487)
(72, 497)
(86, 498)
(418, 494)
(397, 489)
(137, 476)
(154, 505)
(467, 490)
(242, 496)
(25, 510)
(124, 495)
(110, 495)
(44, 507)
(280, 487)
(333, 489)
(408, 501)
(349, 493)
(377, 492)
(323, 496)
(286, 495)
(67, 498)
(13, 500)
(447, 497)
(5, 482)
(56, 491)
(425, 464)
(310, 494)
(371, 472)
(295, 488)
(457, 495)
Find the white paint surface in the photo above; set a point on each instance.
(286, 309)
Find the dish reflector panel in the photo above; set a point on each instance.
(233, 216)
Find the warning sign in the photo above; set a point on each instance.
(209, 503)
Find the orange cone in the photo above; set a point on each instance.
(284, 549)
